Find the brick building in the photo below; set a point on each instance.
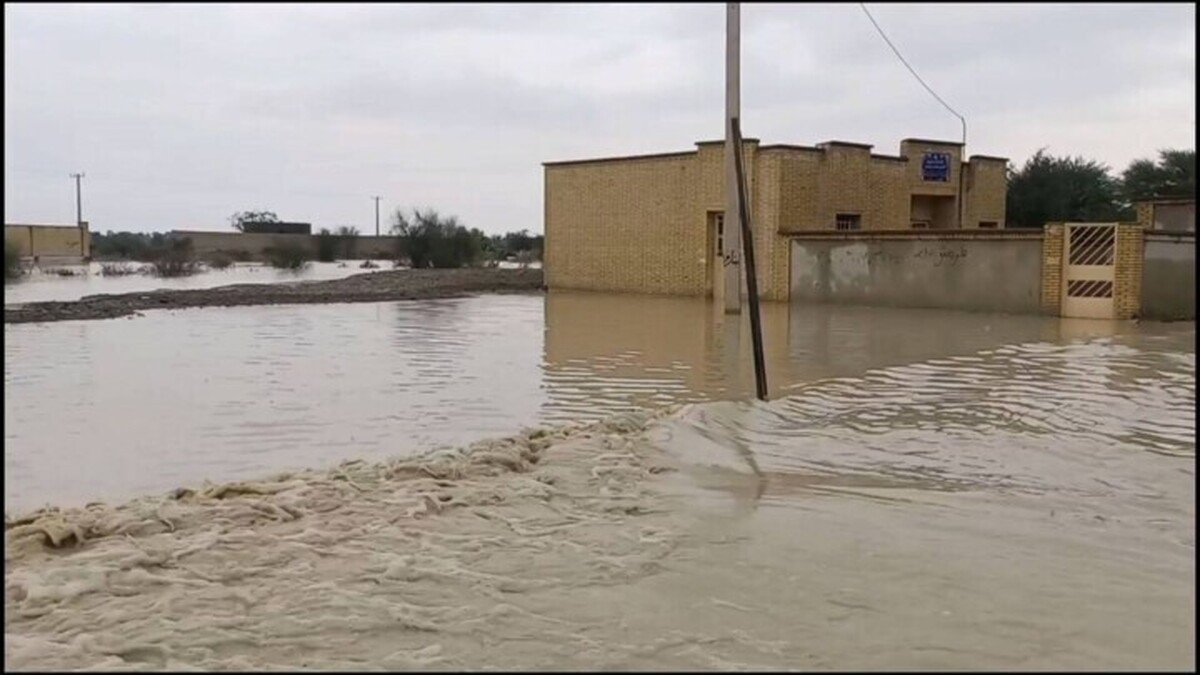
(653, 223)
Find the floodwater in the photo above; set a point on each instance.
(43, 285)
(926, 490)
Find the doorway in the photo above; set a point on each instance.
(716, 255)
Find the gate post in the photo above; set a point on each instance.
(1052, 268)
(1127, 289)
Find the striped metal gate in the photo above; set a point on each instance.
(1089, 266)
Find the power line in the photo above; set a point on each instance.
(932, 93)
(914, 72)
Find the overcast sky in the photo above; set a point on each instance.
(181, 115)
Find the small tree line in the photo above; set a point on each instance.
(424, 238)
(1050, 189)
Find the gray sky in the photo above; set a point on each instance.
(182, 114)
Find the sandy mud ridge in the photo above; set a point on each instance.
(368, 287)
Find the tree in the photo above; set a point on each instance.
(1057, 189)
(429, 240)
(348, 237)
(239, 219)
(327, 245)
(1173, 175)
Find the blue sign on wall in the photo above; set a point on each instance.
(935, 166)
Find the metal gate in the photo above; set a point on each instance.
(1089, 265)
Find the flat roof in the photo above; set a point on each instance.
(788, 146)
(744, 140)
(847, 144)
(1166, 201)
(820, 147)
(931, 141)
(624, 158)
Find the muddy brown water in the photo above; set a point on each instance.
(925, 490)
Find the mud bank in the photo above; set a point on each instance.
(421, 563)
(368, 287)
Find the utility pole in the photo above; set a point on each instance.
(732, 220)
(376, 215)
(78, 199)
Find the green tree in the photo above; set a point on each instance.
(1055, 189)
(428, 239)
(1173, 175)
(327, 245)
(348, 237)
(12, 261)
(239, 219)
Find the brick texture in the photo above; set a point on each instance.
(1127, 291)
(1052, 268)
(641, 224)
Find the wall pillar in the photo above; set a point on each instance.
(1127, 288)
(1052, 268)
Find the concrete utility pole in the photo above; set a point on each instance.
(78, 199)
(732, 220)
(376, 215)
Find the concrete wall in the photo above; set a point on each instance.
(50, 243)
(255, 243)
(974, 271)
(1171, 215)
(1168, 289)
(1178, 217)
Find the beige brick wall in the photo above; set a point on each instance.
(1052, 268)
(986, 190)
(1145, 214)
(817, 185)
(1127, 291)
(891, 201)
(49, 241)
(632, 225)
(915, 150)
(640, 224)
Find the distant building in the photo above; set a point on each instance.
(58, 244)
(655, 223)
(277, 228)
(1167, 215)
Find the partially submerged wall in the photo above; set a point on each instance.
(57, 243)
(256, 243)
(978, 270)
(1168, 290)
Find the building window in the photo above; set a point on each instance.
(849, 221)
(920, 224)
(988, 224)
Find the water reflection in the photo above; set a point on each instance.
(109, 409)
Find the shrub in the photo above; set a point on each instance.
(327, 246)
(64, 272)
(429, 240)
(174, 258)
(287, 257)
(369, 265)
(12, 261)
(118, 269)
(220, 261)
